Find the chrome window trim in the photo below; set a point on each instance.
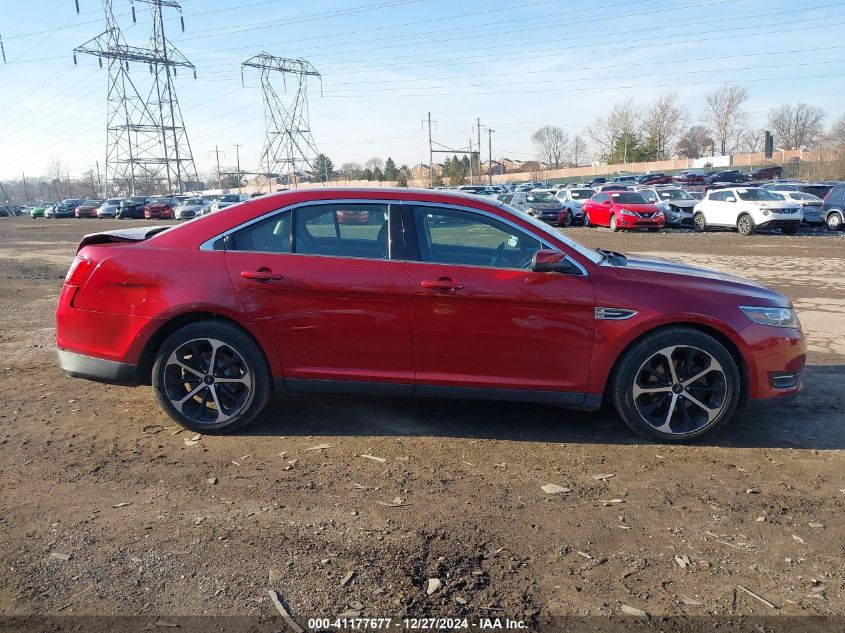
(492, 216)
(208, 245)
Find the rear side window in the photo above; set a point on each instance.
(337, 230)
(837, 194)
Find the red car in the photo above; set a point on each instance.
(622, 210)
(445, 295)
(88, 209)
(688, 179)
(159, 209)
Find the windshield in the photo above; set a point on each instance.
(755, 195)
(136, 199)
(674, 194)
(628, 197)
(160, 201)
(804, 196)
(93, 202)
(229, 198)
(581, 194)
(192, 201)
(113, 201)
(541, 196)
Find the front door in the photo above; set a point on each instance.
(326, 284)
(481, 317)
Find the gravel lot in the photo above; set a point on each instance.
(106, 508)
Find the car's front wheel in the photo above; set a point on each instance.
(834, 221)
(700, 222)
(614, 226)
(211, 377)
(586, 221)
(675, 385)
(745, 225)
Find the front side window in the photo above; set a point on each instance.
(453, 236)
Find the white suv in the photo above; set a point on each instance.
(746, 209)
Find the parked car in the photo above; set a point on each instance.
(815, 188)
(132, 207)
(64, 209)
(725, 176)
(507, 198)
(656, 178)
(833, 208)
(746, 209)
(88, 209)
(676, 204)
(480, 190)
(767, 173)
(689, 177)
(109, 208)
(811, 206)
(39, 209)
(629, 179)
(191, 208)
(227, 200)
(595, 182)
(8, 212)
(622, 210)
(450, 296)
(541, 204)
(614, 187)
(573, 199)
(159, 208)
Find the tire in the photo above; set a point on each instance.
(789, 230)
(613, 224)
(697, 402)
(586, 220)
(699, 222)
(745, 225)
(181, 369)
(834, 220)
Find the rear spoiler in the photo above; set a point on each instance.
(138, 234)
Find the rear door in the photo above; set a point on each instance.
(482, 318)
(328, 285)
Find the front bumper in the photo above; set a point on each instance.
(98, 369)
(628, 222)
(780, 224)
(771, 353)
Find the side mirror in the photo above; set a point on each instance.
(607, 202)
(730, 199)
(549, 261)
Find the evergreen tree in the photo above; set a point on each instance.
(323, 168)
(377, 174)
(390, 171)
(367, 174)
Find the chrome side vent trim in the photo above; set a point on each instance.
(614, 314)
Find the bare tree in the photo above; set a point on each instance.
(835, 138)
(695, 142)
(577, 150)
(796, 126)
(622, 121)
(58, 175)
(90, 180)
(663, 122)
(551, 143)
(724, 115)
(351, 171)
(374, 163)
(750, 141)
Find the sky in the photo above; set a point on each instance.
(513, 64)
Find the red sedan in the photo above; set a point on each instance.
(159, 209)
(442, 294)
(88, 209)
(622, 210)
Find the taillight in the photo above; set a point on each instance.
(79, 271)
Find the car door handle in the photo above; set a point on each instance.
(444, 283)
(264, 275)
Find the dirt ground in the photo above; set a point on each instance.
(107, 508)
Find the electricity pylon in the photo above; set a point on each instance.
(147, 147)
(289, 150)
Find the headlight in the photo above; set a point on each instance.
(778, 317)
(627, 212)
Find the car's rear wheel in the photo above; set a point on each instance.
(614, 226)
(834, 221)
(700, 222)
(211, 377)
(745, 225)
(675, 385)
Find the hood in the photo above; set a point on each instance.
(745, 289)
(639, 208)
(189, 207)
(681, 204)
(545, 205)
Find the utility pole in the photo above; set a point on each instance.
(25, 190)
(238, 161)
(99, 182)
(217, 153)
(478, 129)
(430, 155)
(471, 174)
(490, 156)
